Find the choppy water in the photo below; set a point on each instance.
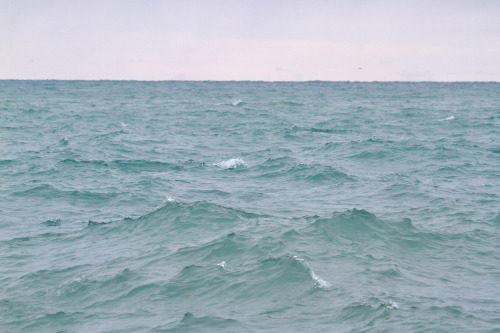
(249, 207)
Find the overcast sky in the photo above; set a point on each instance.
(356, 40)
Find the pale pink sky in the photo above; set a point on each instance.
(251, 40)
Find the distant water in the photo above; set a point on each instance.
(249, 207)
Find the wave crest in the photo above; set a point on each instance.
(232, 163)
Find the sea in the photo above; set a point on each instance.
(192, 206)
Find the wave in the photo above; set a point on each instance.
(134, 165)
(318, 281)
(227, 247)
(38, 110)
(84, 163)
(145, 166)
(296, 128)
(237, 102)
(495, 150)
(201, 255)
(6, 163)
(197, 210)
(64, 141)
(251, 280)
(362, 314)
(360, 225)
(352, 221)
(277, 163)
(46, 322)
(447, 118)
(52, 223)
(192, 323)
(208, 232)
(109, 135)
(51, 192)
(291, 103)
(177, 221)
(232, 163)
(315, 173)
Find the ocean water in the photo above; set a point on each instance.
(249, 207)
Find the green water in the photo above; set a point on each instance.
(249, 207)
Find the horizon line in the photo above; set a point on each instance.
(254, 81)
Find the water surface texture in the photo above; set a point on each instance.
(249, 207)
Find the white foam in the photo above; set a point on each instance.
(64, 141)
(392, 305)
(124, 125)
(319, 281)
(167, 199)
(70, 286)
(231, 163)
(238, 102)
(222, 264)
(449, 118)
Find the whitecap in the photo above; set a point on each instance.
(392, 305)
(70, 286)
(167, 199)
(449, 118)
(231, 163)
(319, 281)
(238, 102)
(222, 264)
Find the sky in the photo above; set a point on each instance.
(273, 40)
